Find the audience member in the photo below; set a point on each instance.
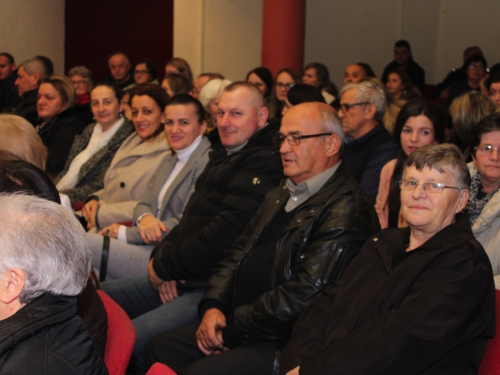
(483, 207)
(475, 70)
(30, 74)
(176, 83)
(133, 165)
(285, 80)
(45, 264)
(179, 66)
(301, 93)
(354, 73)
(263, 79)
(202, 80)
(368, 144)
(403, 60)
(494, 89)
(418, 124)
(399, 86)
(8, 75)
(47, 63)
(144, 72)
(60, 121)
(227, 194)
(415, 300)
(82, 80)
(119, 69)
(209, 98)
(317, 75)
(306, 232)
(93, 150)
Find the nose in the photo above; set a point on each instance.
(285, 147)
(341, 113)
(174, 129)
(414, 136)
(418, 192)
(494, 154)
(223, 120)
(101, 106)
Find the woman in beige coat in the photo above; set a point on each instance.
(134, 163)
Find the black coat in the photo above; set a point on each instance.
(46, 337)
(428, 311)
(227, 195)
(26, 107)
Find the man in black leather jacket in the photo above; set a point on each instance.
(305, 233)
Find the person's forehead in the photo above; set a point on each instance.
(302, 118)
(401, 49)
(239, 98)
(4, 61)
(349, 94)
(353, 68)
(185, 109)
(118, 59)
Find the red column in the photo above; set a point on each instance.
(283, 34)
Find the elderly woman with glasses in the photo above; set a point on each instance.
(484, 201)
(415, 300)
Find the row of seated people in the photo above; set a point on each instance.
(268, 296)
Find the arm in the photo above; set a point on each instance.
(119, 212)
(383, 193)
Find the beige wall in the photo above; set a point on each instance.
(219, 35)
(33, 27)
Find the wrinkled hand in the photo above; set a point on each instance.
(295, 371)
(209, 334)
(168, 290)
(150, 229)
(88, 211)
(153, 278)
(110, 230)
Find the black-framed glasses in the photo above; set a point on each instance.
(428, 187)
(141, 71)
(345, 107)
(284, 85)
(294, 139)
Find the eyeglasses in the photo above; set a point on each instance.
(345, 107)
(428, 187)
(79, 82)
(476, 66)
(486, 149)
(294, 139)
(282, 85)
(141, 71)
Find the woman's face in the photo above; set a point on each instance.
(310, 78)
(165, 86)
(105, 106)
(476, 71)
(261, 85)
(486, 162)
(495, 93)
(283, 83)
(418, 131)
(49, 102)
(395, 85)
(81, 84)
(426, 212)
(147, 117)
(142, 74)
(182, 126)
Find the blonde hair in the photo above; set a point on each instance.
(64, 87)
(21, 139)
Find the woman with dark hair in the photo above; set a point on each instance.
(144, 72)
(285, 80)
(175, 83)
(418, 124)
(399, 86)
(178, 65)
(93, 150)
(494, 89)
(317, 75)
(475, 68)
(302, 93)
(61, 120)
(263, 79)
(133, 165)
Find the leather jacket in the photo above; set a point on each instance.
(326, 232)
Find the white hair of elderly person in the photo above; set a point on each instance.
(44, 265)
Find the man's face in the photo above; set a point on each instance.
(311, 156)
(354, 119)
(119, 67)
(6, 68)
(353, 74)
(401, 55)
(238, 117)
(25, 82)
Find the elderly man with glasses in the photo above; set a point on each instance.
(368, 144)
(305, 233)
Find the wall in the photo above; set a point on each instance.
(219, 35)
(33, 27)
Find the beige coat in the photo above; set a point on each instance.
(127, 178)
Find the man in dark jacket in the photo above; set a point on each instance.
(227, 195)
(8, 75)
(305, 232)
(44, 265)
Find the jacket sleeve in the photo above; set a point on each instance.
(409, 338)
(383, 193)
(109, 213)
(198, 254)
(336, 240)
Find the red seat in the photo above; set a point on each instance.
(121, 337)
(160, 369)
(490, 365)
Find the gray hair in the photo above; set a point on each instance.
(46, 242)
(212, 90)
(35, 65)
(330, 122)
(439, 157)
(81, 71)
(368, 91)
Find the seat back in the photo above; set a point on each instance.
(160, 369)
(490, 365)
(121, 337)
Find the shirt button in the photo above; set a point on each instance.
(375, 239)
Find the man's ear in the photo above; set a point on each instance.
(262, 116)
(12, 285)
(463, 198)
(370, 111)
(333, 144)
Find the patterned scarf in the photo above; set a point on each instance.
(476, 205)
